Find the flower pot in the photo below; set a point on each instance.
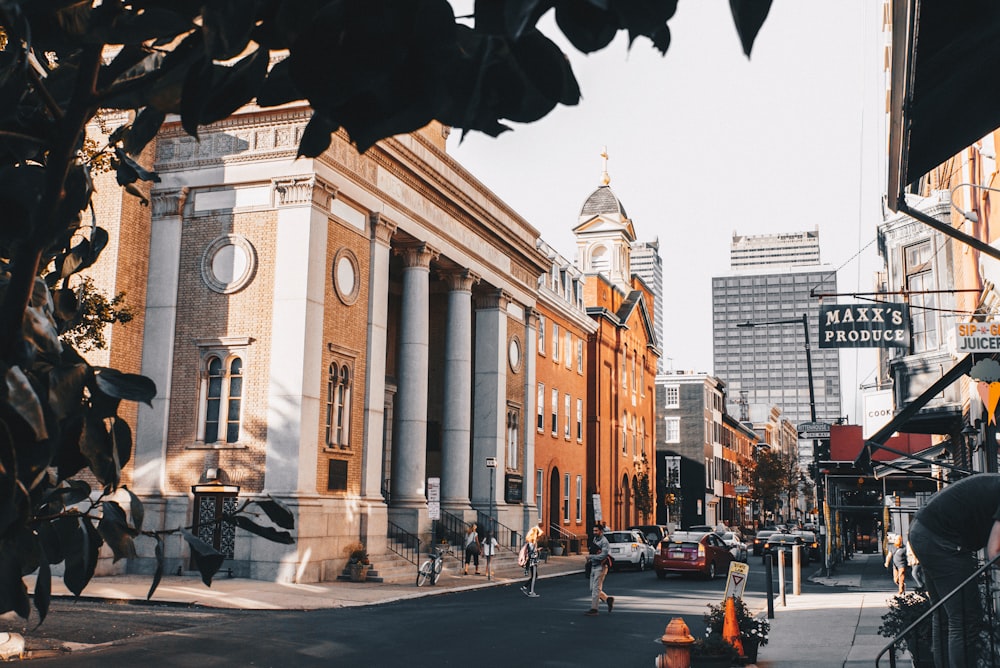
(750, 648)
(359, 572)
(557, 550)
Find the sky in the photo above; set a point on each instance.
(703, 142)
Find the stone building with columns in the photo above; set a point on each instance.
(622, 357)
(329, 332)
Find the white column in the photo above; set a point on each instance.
(490, 409)
(150, 456)
(300, 275)
(457, 418)
(409, 457)
(378, 309)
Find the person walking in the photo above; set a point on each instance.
(472, 548)
(945, 535)
(489, 549)
(915, 571)
(900, 565)
(531, 542)
(896, 557)
(600, 564)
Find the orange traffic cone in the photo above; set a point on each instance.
(731, 627)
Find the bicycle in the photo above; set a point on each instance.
(431, 567)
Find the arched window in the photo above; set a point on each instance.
(338, 405)
(635, 450)
(642, 436)
(624, 433)
(600, 262)
(223, 392)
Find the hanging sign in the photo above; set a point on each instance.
(864, 326)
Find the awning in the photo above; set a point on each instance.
(918, 464)
(945, 56)
(900, 421)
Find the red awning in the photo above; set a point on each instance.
(846, 443)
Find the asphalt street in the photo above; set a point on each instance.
(495, 624)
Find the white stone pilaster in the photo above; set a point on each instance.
(297, 341)
(149, 460)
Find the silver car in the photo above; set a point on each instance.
(630, 548)
(734, 541)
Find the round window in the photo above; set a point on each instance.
(514, 354)
(346, 281)
(229, 264)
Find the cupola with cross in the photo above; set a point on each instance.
(604, 234)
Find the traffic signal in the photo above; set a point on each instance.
(813, 471)
(823, 449)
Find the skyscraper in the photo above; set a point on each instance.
(648, 265)
(773, 278)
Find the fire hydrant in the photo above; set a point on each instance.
(677, 641)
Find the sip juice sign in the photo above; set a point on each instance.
(864, 326)
(977, 337)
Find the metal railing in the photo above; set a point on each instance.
(451, 528)
(921, 626)
(507, 538)
(556, 531)
(403, 543)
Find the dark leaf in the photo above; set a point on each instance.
(66, 389)
(588, 28)
(43, 590)
(66, 306)
(70, 492)
(158, 573)
(519, 15)
(206, 558)
(145, 126)
(13, 593)
(69, 459)
(278, 513)
(647, 18)
(233, 87)
(99, 449)
(48, 542)
(278, 87)
(317, 136)
(22, 398)
(133, 190)
(269, 533)
(227, 27)
(121, 434)
(8, 479)
(130, 62)
(127, 386)
(136, 509)
(194, 96)
(749, 15)
(132, 170)
(80, 543)
(40, 330)
(152, 23)
(115, 531)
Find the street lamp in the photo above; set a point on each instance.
(491, 464)
(812, 399)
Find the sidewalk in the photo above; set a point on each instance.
(832, 624)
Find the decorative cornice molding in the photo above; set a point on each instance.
(295, 190)
(418, 255)
(493, 299)
(165, 203)
(459, 280)
(382, 228)
(323, 192)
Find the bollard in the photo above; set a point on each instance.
(770, 588)
(781, 577)
(677, 641)
(797, 570)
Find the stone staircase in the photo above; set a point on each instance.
(389, 567)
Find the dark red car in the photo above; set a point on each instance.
(701, 552)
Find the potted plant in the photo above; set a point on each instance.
(713, 652)
(903, 611)
(558, 547)
(357, 561)
(753, 628)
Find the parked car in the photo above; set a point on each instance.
(701, 552)
(811, 542)
(630, 547)
(700, 527)
(759, 539)
(734, 541)
(784, 542)
(654, 533)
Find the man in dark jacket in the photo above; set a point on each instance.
(946, 534)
